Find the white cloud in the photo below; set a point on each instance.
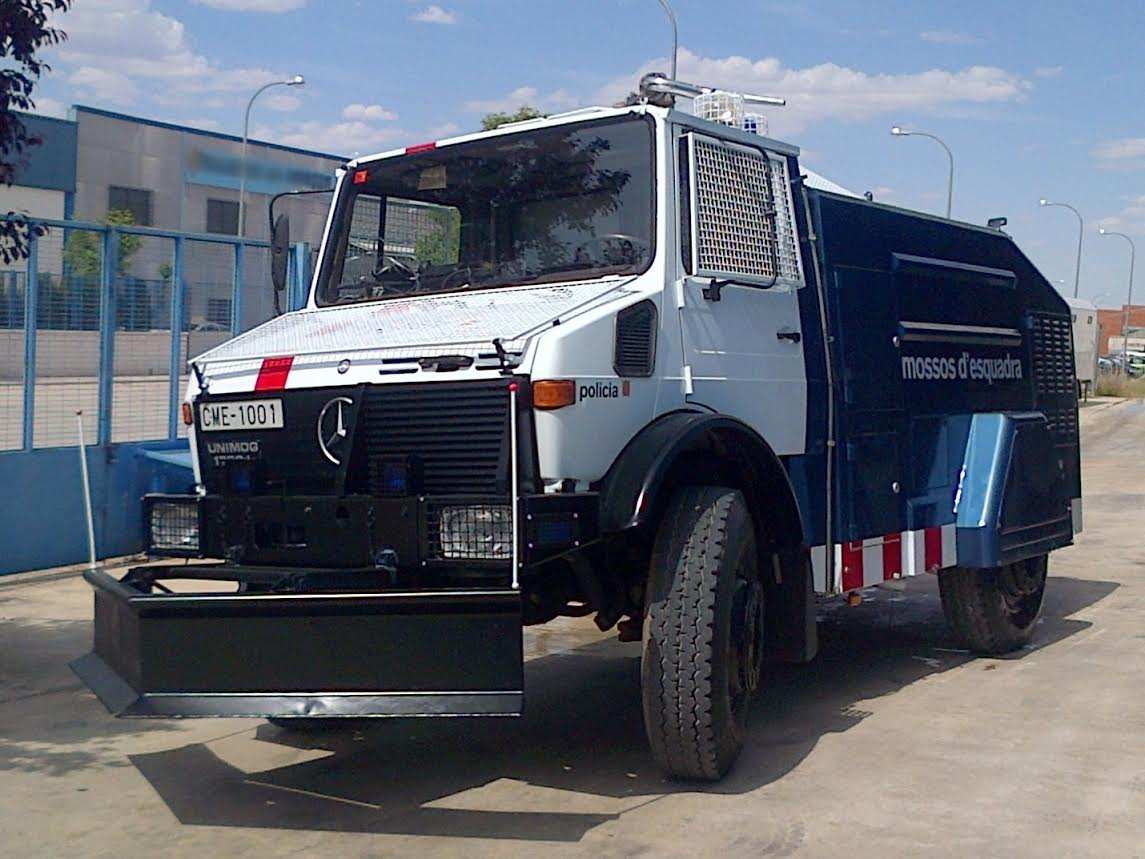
(1125, 152)
(434, 15)
(1048, 71)
(50, 107)
(948, 37)
(1131, 218)
(832, 92)
(520, 97)
(446, 129)
(339, 138)
(282, 102)
(119, 42)
(367, 112)
(254, 5)
(104, 84)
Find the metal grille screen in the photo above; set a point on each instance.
(743, 213)
(787, 246)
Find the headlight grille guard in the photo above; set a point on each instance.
(173, 526)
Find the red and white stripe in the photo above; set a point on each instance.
(862, 563)
(273, 373)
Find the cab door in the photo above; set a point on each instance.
(738, 300)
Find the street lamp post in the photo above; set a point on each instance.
(675, 36)
(1128, 299)
(297, 80)
(1080, 234)
(902, 132)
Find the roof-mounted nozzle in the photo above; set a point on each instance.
(656, 88)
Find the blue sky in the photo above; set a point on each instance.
(1035, 98)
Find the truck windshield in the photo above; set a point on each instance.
(556, 204)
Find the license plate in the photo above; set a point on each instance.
(240, 415)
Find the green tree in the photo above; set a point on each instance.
(441, 245)
(24, 30)
(83, 252)
(496, 120)
(83, 260)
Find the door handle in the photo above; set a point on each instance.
(793, 336)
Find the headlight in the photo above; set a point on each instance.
(476, 532)
(172, 525)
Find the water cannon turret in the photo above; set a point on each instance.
(715, 105)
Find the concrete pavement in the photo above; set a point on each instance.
(894, 742)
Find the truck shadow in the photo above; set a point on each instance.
(578, 758)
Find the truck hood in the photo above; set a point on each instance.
(455, 323)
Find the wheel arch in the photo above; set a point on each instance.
(637, 485)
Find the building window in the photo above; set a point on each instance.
(137, 201)
(223, 217)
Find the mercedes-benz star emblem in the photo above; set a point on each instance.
(332, 428)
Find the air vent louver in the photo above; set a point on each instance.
(1055, 382)
(635, 353)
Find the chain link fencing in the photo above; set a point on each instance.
(103, 319)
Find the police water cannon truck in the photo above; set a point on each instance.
(621, 362)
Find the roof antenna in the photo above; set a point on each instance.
(675, 34)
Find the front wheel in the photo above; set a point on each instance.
(704, 648)
(994, 610)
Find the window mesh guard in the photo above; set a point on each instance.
(743, 219)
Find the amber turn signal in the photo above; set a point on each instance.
(554, 393)
(188, 415)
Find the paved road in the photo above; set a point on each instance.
(892, 743)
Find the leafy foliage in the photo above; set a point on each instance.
(496, 120)
(440, 245)
(83, 252)
(24, 31)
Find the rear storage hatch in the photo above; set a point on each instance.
(390, 616)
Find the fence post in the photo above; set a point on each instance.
(237, 297)
(107, 323)
(31, 305)
(174, 398)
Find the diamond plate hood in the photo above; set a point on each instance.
(420, 325)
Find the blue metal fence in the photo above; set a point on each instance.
(101, 320)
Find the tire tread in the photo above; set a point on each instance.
(680, 647)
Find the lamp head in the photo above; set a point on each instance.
(1043, 202)
(297, 80)
(896, 131)
(1101, 230)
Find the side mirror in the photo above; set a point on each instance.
(279, 251)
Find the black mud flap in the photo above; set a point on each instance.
(456, 653)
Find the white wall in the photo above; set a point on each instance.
(38, 202)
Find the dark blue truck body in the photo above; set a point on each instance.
(955, 395)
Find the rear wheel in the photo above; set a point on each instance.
(994, 610)
(704, 648)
